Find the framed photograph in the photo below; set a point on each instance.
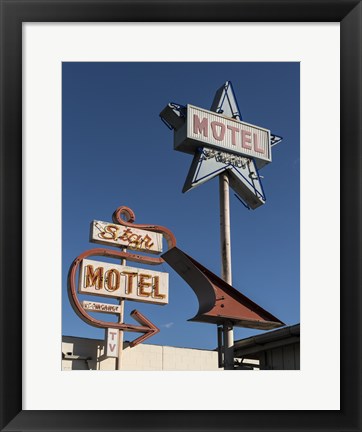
(49, 50)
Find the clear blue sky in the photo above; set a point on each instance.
(116, 151)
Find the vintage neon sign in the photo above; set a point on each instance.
(131, 238)
(220, 142)
(227, 134)
(122, 282)
(117, 281)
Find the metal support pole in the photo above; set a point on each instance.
(121, 318)
(225, 227)
(220, 347)
(226, 262)
(120, 336)
(228, 345)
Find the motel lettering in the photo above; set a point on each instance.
(211, 129)
(219, 131)
(103, 279)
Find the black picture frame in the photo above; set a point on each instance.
(16, 12)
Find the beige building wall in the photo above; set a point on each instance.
(155, 357)
(85, 354)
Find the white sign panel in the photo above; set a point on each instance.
(130, 238)
(112, 280)
(208, 128)
(112, 342)
(90, 306)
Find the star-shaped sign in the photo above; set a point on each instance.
(244, 178)
(222, 142)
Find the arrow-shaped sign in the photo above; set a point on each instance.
(146, 326)
(112, 334)
(219, 301)
(151, 329)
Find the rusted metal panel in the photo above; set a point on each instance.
(204, 290)
(208, 128)
(108, 233)
(219, 301)
(118, 281)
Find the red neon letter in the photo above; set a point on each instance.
(233, 134)
(113, 334)
(246, 139)
(112, 280)
(200, 126)
(256, 142)
(218, 136)
(156, 285)
(94, 277)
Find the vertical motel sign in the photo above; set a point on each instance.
(220, 141)
(119, 281)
